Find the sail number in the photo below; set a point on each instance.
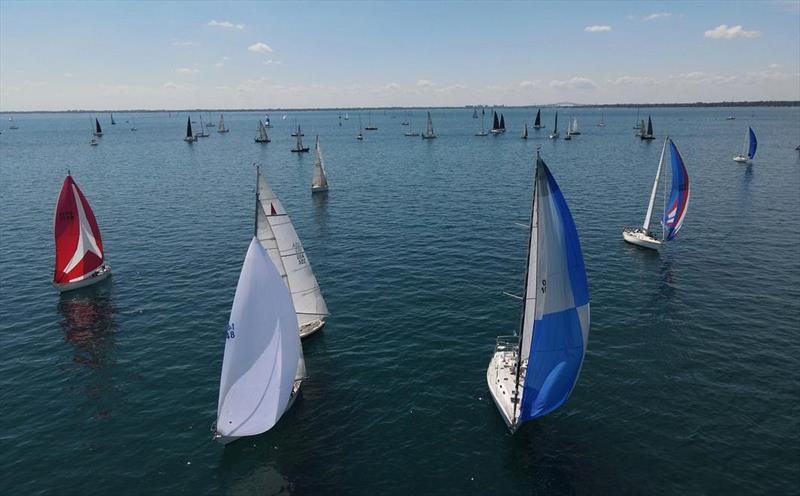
(301, 256)
(229, 333)
(544, 285)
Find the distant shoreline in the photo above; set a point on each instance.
(775, 103)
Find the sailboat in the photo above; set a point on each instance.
(13, 125)
(647, 133)
(263, 366)
(98, 131)
(574, 129)
(568, 134)
(267, 121)
(202, 133)
(189, 138)
(297, 132)
(210, 122)
(299, 148)
(502, 124)
(525, 132)
(533, 373)
(112, 120)
(261, 133)
(346, 116)
(133, 124)
(749, 148)
(554, 134)
(80, 260)
(642, 129)
(602, 122)
(276, 234)
(636, 126)
(495, 124)
(406, 122)
(93, 141)
(674, 209)
(370, 125)
(360, 135)
(537, 124)
(320, 181)
(474, 113)
(483, 128)
(221, 126)
(429, 134)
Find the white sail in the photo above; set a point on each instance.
(262, 133)
(429, 131)
(262, 351)
(221, 125)
(276, 234)
(649, 214)
(320, 181)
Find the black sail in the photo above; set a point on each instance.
(538, 121)
(496, 123)
(97, 128)
(188, 127)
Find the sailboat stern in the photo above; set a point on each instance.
(637, 236)
(501, 377)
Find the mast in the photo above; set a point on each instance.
(646, 225)
(555, 127)
(255, 212)
(744, 143)
(534, 227)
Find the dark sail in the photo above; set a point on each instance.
(555, 126)
(188, 127)
(538, 121)
(649, 126)
(496, 123)
(97, 128)
(502, 123)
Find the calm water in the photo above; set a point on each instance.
(690, 385)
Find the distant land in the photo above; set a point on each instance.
(764, 103)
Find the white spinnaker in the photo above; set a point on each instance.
(320, 179)
(290, 255)
(262, 350)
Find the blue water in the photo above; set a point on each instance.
(690, 384)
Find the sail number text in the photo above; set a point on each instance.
(544, 285)
(229, 333)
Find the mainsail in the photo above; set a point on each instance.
(189, 134)
(649, 126)
(320, 181)
(262, 351)
(276, 234)
(97, 129)
(678, 203)
(221, 126)
(79, 247)
(538, 122)
(495, 122)
(261, 133)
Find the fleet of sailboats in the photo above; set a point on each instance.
(319, 183)
(80, 260)
(277, 236)
(533, 373)
(674, 209)
(749, 146)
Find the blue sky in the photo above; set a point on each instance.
(123, 55)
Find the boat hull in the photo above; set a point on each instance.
(740, 159)
(553, 136)
(310, 328)
(319, 189)
(500, 377)
(300, 150)
(102, 273)
(639, 238)
(428, 137)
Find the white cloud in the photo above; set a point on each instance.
(392, 86)
(425, 83)
(528, 84)
(633, 80)
(187, 70)
(700, 77)
(272, 62)
(658, 15)
(452, 87)
(260, 48)
(182, 44)
(225, 24)
(574, 83)
(597, 29)
(724, 32)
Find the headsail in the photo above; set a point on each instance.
(97, 128)
(262, 351)
(502, 122)
(276, 234)
(751, 152)
(320, 181)
(555, 326)
(79, 247)
(189, 128)
(538, 121)
(678, 203)
(649, 126)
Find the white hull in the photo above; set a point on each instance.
(190, 140)
(319, 189)
(639, 238)
(553, 136)
(501, 376)
(100, 274)
(425, 136)
(311, 327)
(741, 159)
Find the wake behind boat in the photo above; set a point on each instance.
(263, 366)
(674, 210)
(533, 373)
(80, 259)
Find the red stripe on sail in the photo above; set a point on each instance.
(67, 234)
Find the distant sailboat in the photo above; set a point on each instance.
(406, 122)
(262, 366)
(80, 259)
(429, 134)
(267, 121)
(346, 116)
(360, 135)
(648, 131)
(748, 147)
(320, 181)
(202, 133)
(496, 129)
(221, 125)
(525, 132)
(133, 124)
(537, 124)
(98, 131)
(502, 124)
(276, 234)
(602, 122)
(554, 134)
(210, 122)
(568, 133)
(370, 125)
(482, 132)
(261, 133)
(13, 125)
(636, 126)
(474, 113)
(296, 131)
(189, 138)
(112, 120)
(532, 374)
(93, 141)
(674, 210)
(642, 129)
(299, 148)
(574, 127)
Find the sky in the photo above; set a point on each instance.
(177, 55)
